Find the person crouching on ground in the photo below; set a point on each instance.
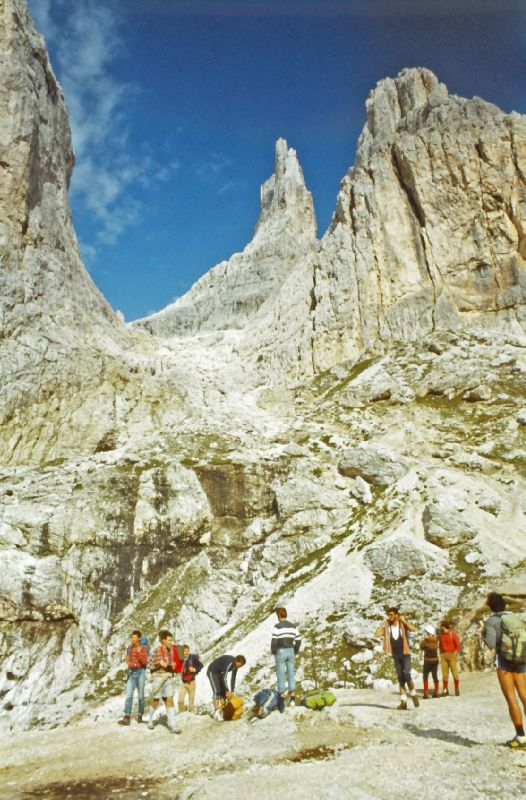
(285, 645)
(218, 672)
(511, 674)
(449, 644)
(430, 648)
(162, 668)
(136, 660)
(394, 631)
(191, 667)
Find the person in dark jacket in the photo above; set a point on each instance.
(218, 672)
(285, 645)
(511, 675)
(430, 648)
(191, 667)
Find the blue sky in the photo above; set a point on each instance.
(176, 105)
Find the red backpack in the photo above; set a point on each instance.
(177, 656)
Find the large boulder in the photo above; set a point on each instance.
(375, 463)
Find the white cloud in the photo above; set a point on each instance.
(213, 171)
(226, 187)
(85, 43)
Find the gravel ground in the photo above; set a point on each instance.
(361, 749)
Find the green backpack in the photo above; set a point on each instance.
(512, 645)
(318, 699)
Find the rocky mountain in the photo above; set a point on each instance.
(335, 424)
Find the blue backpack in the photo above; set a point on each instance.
(146, 642)
(266, 700)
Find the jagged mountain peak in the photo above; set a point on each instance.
(394, 98)
(285, 199)
(232, 293)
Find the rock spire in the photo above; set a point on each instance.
(233, 294)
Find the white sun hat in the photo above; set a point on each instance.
(429, 629)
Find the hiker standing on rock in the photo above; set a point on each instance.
(190, 668)
(218, 672)
(449, 649)
(162, 666)
(394, 631)
(430, 648)
(505, 633)
(285, 645)
(136, 660)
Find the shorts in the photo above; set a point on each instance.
(166, 690)
(509, 666)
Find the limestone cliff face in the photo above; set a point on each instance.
(56, 329)
(429, 230)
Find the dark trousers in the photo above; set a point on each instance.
(430, 667)
(403, 669)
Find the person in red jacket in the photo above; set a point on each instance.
(449, 644)
(136, 660)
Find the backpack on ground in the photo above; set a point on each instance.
(318, 699)
(266, 700)
(233, 707)
(512, 645)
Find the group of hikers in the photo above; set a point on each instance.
(166, 661)
(397, 635)
(503, 632)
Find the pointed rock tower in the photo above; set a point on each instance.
(233, 294)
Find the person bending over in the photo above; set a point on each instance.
(218, 672)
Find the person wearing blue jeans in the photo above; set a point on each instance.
(136, 661)
(285, 645)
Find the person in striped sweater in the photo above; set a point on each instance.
(285, 645)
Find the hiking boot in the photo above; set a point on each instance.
(445, 692)
(435, 694)
(457, 691)
(292, 701)
(139, 717)
(150, 725)
(402, 706)
(516, 743)
(281, 704)
(425, 696)
(415, 700)
(125, 720)
(217, 715)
